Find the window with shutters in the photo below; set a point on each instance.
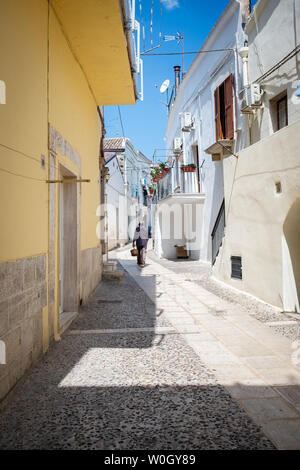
(224, 123)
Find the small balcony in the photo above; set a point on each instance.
(220, 149)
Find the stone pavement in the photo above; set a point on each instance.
(128, 375)
(247, 357)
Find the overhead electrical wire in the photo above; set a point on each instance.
(185, 53)
(121, 121)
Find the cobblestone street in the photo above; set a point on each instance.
(135, 372)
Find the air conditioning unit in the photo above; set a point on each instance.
(251, 98)
(187, 122)
(177, 147)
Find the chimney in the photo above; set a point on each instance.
(177, 77)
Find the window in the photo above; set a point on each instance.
(282, 115)
(279, 111)
(224, 110)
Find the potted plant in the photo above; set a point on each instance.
(158, 174)
(189, 168)
(151, 189)
(164, 168)
(153, 174)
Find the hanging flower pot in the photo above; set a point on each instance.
(163, 168)
(151, 190)
(159, 176)
(154, 179)
(190, 168)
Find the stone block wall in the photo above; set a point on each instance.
(90, 270)
(23, 294)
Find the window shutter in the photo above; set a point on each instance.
(229, 107)
(217, 113)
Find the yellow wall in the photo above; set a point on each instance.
(24, 128)
(24, 202)
(87, 24)
(73, 113)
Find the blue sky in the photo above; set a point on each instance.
(145, 122)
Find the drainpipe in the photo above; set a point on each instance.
(243, 53)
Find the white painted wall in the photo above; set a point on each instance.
(262, 225)
(116, 206)
(273, 32)
(258, 226)
(196, 95)
(136, 172)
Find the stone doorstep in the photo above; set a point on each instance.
(65, 320)
(114, 275)
(109, 266)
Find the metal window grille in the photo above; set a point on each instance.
(236, 267)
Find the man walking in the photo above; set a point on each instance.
(141, 240)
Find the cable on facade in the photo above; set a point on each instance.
(279, 64)
(22, 176)
(31, 157)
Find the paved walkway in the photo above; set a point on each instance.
(131, 373)
(251, 361)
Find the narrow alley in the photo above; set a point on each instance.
(136, 371)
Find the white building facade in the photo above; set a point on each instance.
(116, 204)
(193, 130)
(260, 252)
(135, 169)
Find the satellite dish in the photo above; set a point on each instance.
(164, 86)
